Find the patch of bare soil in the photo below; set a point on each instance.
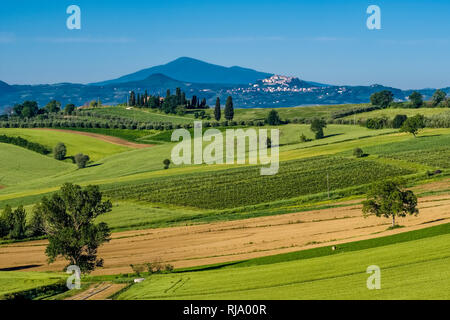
(110, 139)
(99, 291)
(236, 240)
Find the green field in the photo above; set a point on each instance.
(96, 149)
(141, 115)
(390, 113)
(19, 165)
(416, 269)
(14, 281)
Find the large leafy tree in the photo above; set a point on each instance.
(383, 98)
(438, 97)
(413, 124)
(53, 107)
(389, 199)
(229, 109)
(13, 223)
(317, 126)
(416, 99)
(69, 222)
(273, 118)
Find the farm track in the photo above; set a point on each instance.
(99, 291)
(110, 139)
(236, 240)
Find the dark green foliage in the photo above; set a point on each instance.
(413, 124)
(28, 109)
(13, 223)
(60, 151)
(377, 123)
(438, 97)
(388, 199)
(69, 109)
(398, 121)
(21, 142)
(81, 160)
(69, 217)
(416, 99)
(217, 110)
(382, 98)
(229, 109)
(53, 107)
(166, 163)
(273, 118)
(36, 226)
(317, 126)
(358, 152)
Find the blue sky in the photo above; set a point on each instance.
(324, 41)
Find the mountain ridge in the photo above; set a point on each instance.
(270, 92)
(187, 69)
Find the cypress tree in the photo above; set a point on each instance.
(229, 110)
(217, 111)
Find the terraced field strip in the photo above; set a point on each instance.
(110, 139)
(236, 240)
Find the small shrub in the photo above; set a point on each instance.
(166, 163)
(81, 160)
(358, 152)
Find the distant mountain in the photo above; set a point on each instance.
(248, 88)
(192, 70)
(4, 87)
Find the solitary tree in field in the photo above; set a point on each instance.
(358, 152)
(273, 118)
(69, 223)
(229, 109)
(60, 151)
(383, 98)
(81, 160)
(217, 111)
(413, 124)
(317, 126)
(166, 163)
(388, 199)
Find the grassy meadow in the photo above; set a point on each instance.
(415, 269)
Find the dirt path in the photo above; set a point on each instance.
(110, 139)
(99, 291)
(235, 240)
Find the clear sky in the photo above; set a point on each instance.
(325, 41)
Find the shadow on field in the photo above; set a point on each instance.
(21, 267)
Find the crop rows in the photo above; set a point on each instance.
(245, 186)
(439, 158)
